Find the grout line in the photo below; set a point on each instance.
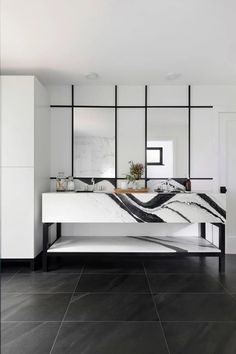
(231, 294)
(157, 313)
(123, 292)
(66, 311)
(53, 273)
(80, 292)
(13, 275)
(106, 273)
(135, 321)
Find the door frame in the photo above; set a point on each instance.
(218, 110)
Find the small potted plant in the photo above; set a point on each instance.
(135, 173)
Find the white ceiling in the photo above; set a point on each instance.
(124, 41)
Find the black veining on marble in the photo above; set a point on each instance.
(155, 240)
(155, 202)
(197, 205)
(177, 212)
(164, 240)
(213, 204)
(136, 207)
(138, 214)
(117, 201)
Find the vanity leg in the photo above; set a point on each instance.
(45, 247)
(58, 230)
(203, 230)
(222, 263)
(58, 235)
(222, 247)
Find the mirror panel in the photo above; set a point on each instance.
(94, 142)
(167, 143)
(130, 138)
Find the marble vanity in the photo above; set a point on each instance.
(100, 207)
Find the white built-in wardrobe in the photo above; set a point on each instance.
(25, 131)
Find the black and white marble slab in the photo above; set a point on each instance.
(134, 207)
(133, 244)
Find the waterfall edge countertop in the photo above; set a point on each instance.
(194, 207)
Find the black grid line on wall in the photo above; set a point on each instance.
(189, 107)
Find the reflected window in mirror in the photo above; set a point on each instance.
(94, 142)
(155, 155)
(166, 165)
(167, 142)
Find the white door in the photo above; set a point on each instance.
(227, 165)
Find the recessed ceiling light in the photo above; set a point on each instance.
(91, 76)
(173, 76)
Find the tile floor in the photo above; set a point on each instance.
(120, 306)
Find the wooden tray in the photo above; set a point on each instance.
(131, 190)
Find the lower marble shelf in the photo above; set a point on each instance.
(132, 244)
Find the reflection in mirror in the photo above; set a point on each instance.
(94, 142)
(167, 143)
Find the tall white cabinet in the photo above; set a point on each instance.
(25, 164)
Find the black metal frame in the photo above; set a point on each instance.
(220, 255)
(161, 156)
(145, 107)
(189, 107)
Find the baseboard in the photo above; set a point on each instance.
(33, 262)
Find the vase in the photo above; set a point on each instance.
(124, 184)
(134, 185)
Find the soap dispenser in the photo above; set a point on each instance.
(188, 185)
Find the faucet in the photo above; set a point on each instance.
(168, 185)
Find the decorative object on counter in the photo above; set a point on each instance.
(188, 185)
(61, 182)
(70, 184)
(176, 184)
(135, 173)
(131, 190)
(123, 184)
(101, 185)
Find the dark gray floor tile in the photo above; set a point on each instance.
(230, 263)
(28, 337)
(111, 307)
(205, 338)
(110, 338)
(113, 283)
(228, 280)
(5, 277)
(41, 283)
(171, 283)
(34, 307)
(196, 307)
(178, 265)
(124, 267)
(65, 266)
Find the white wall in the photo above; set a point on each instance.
(204, 139)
